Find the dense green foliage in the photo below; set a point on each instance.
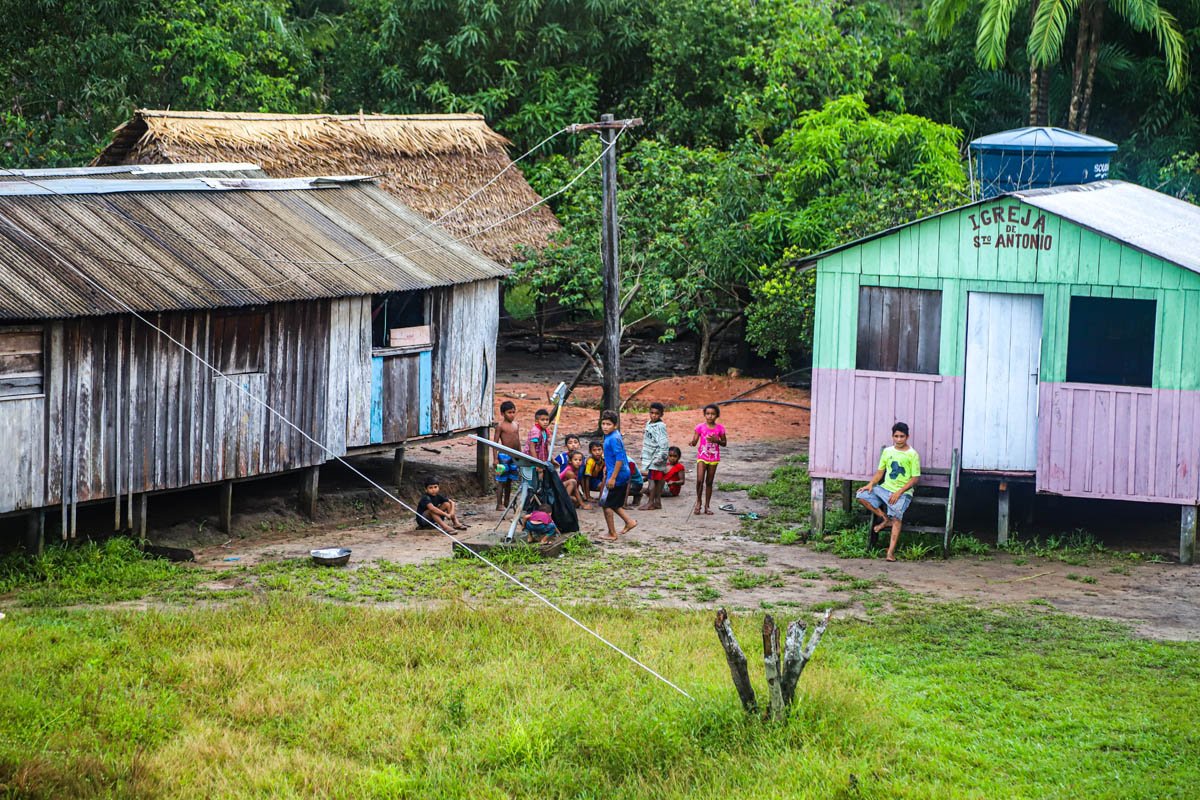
(774, 128)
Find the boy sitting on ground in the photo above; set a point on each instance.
(592, 480)
(538, 524)
(434, 508)
(891, 487)
(675, 474)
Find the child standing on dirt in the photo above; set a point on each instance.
(592, 478)
(616, 484)
(538, 444)
(675, 474)
(708, 439)
(654, 456)
(890, 489)
(435, 508)
(505, 467)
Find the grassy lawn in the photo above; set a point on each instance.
(283, 696)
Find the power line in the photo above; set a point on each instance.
(334, 456)
(326, 264)
(203, 243)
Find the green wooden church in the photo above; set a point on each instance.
(1048, 335)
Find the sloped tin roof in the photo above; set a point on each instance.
(1141, 218)
(188, 243)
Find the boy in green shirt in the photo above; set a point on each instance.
(891, 487)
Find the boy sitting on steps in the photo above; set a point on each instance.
(891, 487)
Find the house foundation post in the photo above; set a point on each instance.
(1187, 535)
(35, 533)
(1002, 506)
(398, 467)
(309, 481)
(141, 511)
(483, 459)
(818, 506)
(225, 507)
(847, 495)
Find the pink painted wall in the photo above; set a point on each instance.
(853, 412)
(1119, 442)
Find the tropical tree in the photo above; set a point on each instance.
(1049, 26)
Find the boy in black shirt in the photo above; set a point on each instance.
(437, 508)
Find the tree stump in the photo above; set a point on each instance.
(783, 666)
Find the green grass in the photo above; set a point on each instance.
(298, 698)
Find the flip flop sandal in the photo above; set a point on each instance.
(750, 515)
(730, 507)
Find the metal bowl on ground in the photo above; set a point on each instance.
(331, 556)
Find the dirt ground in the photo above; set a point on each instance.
(1160, 600)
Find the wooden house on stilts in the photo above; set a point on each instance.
(1047, 335)
(324, 298)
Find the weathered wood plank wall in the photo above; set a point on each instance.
(126, 411)
(466, 320)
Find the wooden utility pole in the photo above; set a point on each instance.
(610, 349)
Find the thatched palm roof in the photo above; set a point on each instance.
(429, 162)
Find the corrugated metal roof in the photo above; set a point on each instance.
(71, 186)
(1142, 218)
(242, 169)
(158, 248)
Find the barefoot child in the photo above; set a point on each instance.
(538, 523)
(592, 479)
(891, 487)
(708, 438)
(675, 474)
(509, 435)
(435, 508)
(572, 482)
(616, 465)
(538, 444)
(654, 456)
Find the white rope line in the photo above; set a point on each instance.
(202, 243)
(278, 415)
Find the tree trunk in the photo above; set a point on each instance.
(704, 354)
(1097, 27)
(796, 654)
(1039, 85)
(737, 662)
(773, 662)
(1079, 67)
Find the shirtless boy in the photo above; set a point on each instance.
(505, 467)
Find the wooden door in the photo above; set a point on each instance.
(1000, 402)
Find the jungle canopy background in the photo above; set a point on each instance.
(774, 128)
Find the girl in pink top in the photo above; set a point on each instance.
(708, 439)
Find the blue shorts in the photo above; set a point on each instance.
(541, 530)
(879, 497)
(510, 472)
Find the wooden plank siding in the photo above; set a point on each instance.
(126, 411)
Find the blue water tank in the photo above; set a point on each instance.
(1033, 158)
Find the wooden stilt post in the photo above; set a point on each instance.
(141, 512)
(818, 506)
(225, 507)
(1187, 535)
(1002, 515)
(398, 467)
(35, 533)
(309, 481)
(483, 460)
(847, 495)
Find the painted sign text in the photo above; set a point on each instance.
(1010, 227)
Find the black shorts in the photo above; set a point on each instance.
(616, 496)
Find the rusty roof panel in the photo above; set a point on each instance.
(213, 243)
